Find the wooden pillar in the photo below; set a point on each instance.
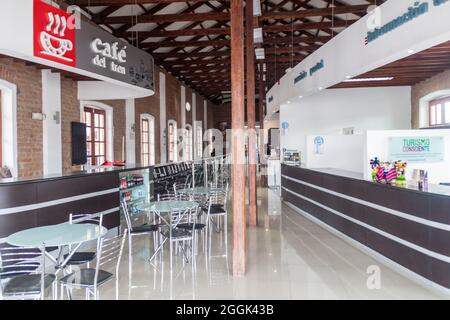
(250, 55)
(237, 145)
(262, 96)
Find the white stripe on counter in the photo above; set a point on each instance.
(380, 232)
(400, 214)
(106, 212)
(56, 202)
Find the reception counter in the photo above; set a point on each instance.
(407, 226)
(38, 201)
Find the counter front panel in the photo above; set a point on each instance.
(409, 227)
(44, 202)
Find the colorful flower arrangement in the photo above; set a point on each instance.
(388, 172)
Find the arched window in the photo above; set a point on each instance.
(172, 140)
(95, 120)
(147, 140)
(188, 137)
(199, 140)
(440, 112)
(98, 118)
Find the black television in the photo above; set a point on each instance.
(79, 146)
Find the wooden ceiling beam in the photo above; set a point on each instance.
(179, 44)
(182, 32)
(308, 26)
(314, 12)
(162, 18)
(94, 3)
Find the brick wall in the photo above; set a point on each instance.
(173, 97)
(189, 99)
(422, 89)
(149, 105)
(29, 99)
(200, 109)
(30, 132)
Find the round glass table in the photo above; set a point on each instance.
(170, 205)
(58, 235)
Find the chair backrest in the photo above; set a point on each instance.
(166, 197)
(110, 252)
(92, 218)
(218, 197)
(19, 261)
(180, 216)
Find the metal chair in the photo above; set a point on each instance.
(166, 197)
(22, 274)
(80, 258)
(184, 238)
(109, 251)
(200, 225)
(133, 231)
(216, 209)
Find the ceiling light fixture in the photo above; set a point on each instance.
(260, 54)
(369, 79)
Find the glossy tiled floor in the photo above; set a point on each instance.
(289, 257)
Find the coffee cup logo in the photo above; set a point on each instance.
(54, 38)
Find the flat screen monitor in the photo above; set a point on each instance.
(79, 146)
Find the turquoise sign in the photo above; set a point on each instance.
(317, 67)
(417, 149)
(301, 76)
(304, 74)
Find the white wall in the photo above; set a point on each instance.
(378, 146)
(51, 107)
(344, 152)
(130, 134)
(329, 111)
(348, 55)
(8, 117)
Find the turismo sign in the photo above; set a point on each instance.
(413, 12)
(417, 149)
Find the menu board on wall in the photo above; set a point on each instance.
(102, 53)
(417, 149)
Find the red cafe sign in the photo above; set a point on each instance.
(54, 34)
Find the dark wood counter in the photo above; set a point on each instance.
(38, 201)
(408, 226)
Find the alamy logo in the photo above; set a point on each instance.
(374, 279)
(374, 19)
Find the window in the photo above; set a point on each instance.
(95, 120)
(440, 112)
(188, 143)
(147, 140)
(172, 140)
(199, 140)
